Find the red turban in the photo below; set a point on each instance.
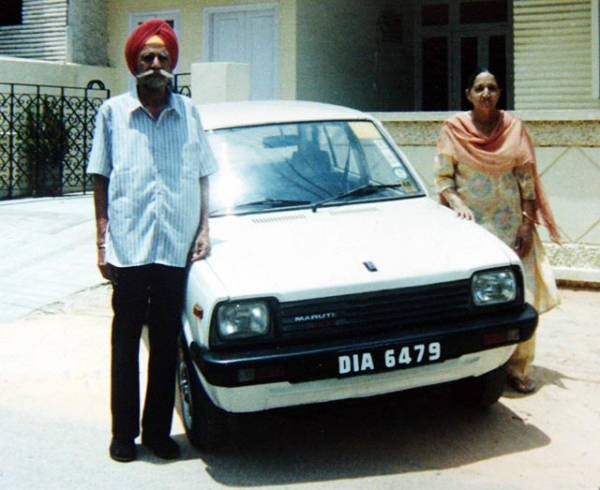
(137, 39)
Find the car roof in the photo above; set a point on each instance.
(255, 113)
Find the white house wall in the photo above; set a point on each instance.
(15, 70)
(191, 35)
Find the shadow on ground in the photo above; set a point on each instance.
(408, 432)
(545, 377)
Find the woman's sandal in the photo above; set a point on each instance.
(522, 385)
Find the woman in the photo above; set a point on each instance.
(486, 171)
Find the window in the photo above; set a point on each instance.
(301, 164)
(435, 74)
(435, 15)
(170, 16)
(455, 38)
(11, 13)
(480, 12)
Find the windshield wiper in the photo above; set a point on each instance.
(268, 203)
(362, 190)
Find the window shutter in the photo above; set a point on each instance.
(552, 54)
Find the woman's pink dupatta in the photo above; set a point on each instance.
(509, 145)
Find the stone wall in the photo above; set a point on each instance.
(568, 153)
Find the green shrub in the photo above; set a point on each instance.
(44, 145)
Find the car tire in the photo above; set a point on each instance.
(482, 391)
(205, 424)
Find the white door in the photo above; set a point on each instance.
(246, 34)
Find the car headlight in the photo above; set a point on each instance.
(243, 320)
(494, 287)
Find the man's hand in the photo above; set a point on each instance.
(201, 247)
(105, 268)
(202, 243)
(101, 209)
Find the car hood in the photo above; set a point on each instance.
(303, 254)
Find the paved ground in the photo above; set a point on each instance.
(54, 421)
(54, 417)
(47, 252)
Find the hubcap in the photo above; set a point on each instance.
(185, 393)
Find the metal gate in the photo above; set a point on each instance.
(45, 137)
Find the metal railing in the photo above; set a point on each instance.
(45, 136)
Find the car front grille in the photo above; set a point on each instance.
(405, 308)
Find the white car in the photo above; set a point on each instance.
(333, 275)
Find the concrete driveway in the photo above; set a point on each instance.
(47, 252)
(54, 408)
(54, 421)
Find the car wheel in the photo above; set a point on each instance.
(482, 391)
(205, 424)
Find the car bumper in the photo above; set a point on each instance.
(292, 375)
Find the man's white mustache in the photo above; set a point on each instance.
(149, 73)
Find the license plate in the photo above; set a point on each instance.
(388, 359)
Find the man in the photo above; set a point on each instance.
(150, 161)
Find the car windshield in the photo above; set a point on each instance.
(313, 164)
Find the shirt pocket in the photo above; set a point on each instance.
(125, 181)
(190, 164)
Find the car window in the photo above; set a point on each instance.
(344, 149)
(300, 164)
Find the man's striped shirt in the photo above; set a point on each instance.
(153, 167)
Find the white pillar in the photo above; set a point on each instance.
(220, 82)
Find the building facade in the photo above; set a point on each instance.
(407, 60)
(376, 55)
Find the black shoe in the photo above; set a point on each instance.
(122, 451)
(164, 448)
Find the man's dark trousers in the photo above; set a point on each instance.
(154, 292)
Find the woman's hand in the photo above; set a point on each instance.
(463, 211)
(458, 205)
(524, 240)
